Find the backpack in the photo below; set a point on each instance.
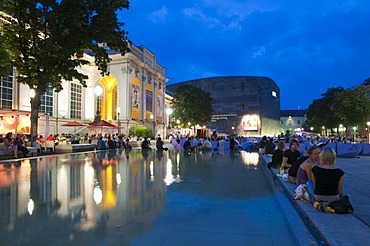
(342, 206)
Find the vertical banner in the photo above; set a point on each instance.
(135, 106)
(159, 106)
(148, 101)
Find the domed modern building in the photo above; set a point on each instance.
(246, 105)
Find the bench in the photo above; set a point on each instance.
(73, 148)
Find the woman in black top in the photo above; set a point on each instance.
(277, 155)
(327, 179)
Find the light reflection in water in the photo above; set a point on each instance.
(90, 194)
(169, 177)
(250, 158)
(30, 206)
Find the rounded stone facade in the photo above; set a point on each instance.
(246, 105)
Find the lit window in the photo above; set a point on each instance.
(76, 101)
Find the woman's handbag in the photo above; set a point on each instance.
(342, 206)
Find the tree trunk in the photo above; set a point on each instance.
(35, 104)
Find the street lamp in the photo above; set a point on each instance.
(118, 122)
(367, 137)
(98, 93)
(152, 119)
(311, 128)
(33, 138)
(169, 112)
(354, 133)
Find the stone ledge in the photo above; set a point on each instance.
(337, 229)
(72, 148)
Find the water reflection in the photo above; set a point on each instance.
(63, 197)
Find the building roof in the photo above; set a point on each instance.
(293, 113)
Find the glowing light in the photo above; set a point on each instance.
(169, 111)
(98, 90)
(169, 177)
(250, 158)
(98, 195)
(118, 178)
(151, 167)
(30, 206)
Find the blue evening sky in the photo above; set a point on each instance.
(306, 47)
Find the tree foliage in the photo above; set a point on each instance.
(45, 41)
(339, 106)
(192, 104)
(141, 131)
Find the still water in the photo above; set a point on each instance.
(140, 198)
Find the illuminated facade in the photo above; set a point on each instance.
(133, 94)
(246, 105)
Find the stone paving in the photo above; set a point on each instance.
(347, 229)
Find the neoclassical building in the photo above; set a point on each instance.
(133, 94)
(246, 105)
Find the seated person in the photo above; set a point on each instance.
(207, 145)
(41, 139)
(20, 144)
(262, 142)
(159, 144)
(145, 144)
(270, 147)
(9, 146)
(187, 145)
(234, 144)
(304, 172)
(101, 144)
(292, 172)
(277, 156)
(111, 143)
(327, 179)
(291, 155)
(50, 138)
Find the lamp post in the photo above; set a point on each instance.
(368, 135)
(152, 118)
(98, 92)
(354, 133)
(169, 112)
(118, 122)
(32, 97)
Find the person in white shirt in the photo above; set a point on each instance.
(207, 145)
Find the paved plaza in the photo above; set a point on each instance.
(347, 229)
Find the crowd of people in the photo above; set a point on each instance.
(316, 170)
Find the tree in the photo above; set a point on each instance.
(45, 41)
(192, 104)
(353, 105)
(339, 106)
(322, 111)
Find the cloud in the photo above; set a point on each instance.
(158, 15)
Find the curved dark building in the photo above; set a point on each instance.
(246, 105)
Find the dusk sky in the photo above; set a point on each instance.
(306, 47)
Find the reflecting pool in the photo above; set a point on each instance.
(140, 198)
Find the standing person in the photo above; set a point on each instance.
(327, 179)
(291, 155)
(9, 146)
(101, 144)
(287, 136)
